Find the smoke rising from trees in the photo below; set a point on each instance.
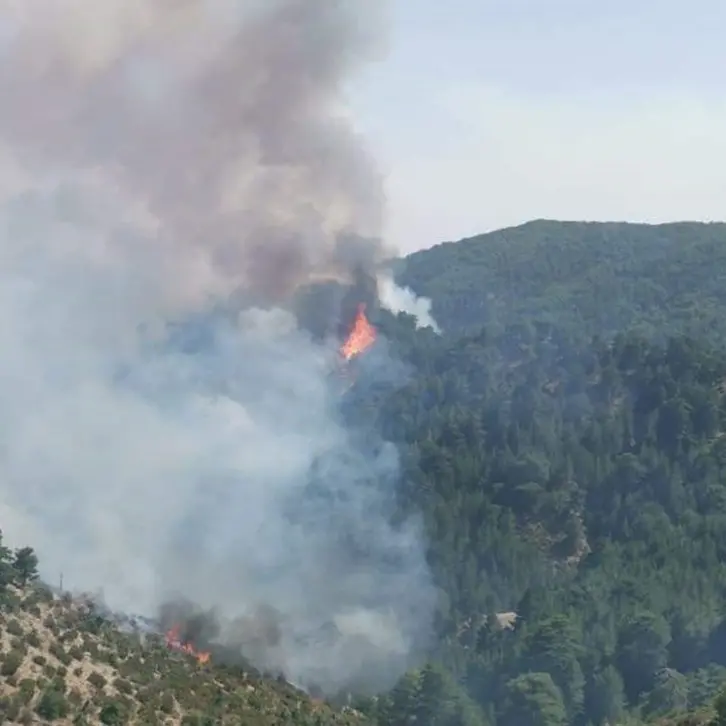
(154, 159)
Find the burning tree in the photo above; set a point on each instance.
(361, 337)
(174, 641)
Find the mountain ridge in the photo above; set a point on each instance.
(599, 277)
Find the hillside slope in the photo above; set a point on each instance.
(576, 481)
(62, 663)
(588, 276)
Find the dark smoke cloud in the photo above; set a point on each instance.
(155, 158)
(224, 119)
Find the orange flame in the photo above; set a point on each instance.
(174, 642)
(362, 336)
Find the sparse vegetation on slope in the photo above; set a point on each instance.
(60, 662)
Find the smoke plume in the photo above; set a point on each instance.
(158, 159)
(404, 300)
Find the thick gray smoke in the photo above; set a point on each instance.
(156, 157)
(223, 116)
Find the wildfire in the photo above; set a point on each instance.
(362, 336)
(174, 642)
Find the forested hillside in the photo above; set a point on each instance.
(574, 497)
(588, 277)
(564, 440)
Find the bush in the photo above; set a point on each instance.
(49, 671)
(13, 627)
(19, 645)
(147, 717)
(52, 705)
(91, 647)
(32, 639)
(40, 660)
(9, 602)
(27, 690)
(112, 713)
(42, 593)
(167, 703)
(12, 661)
(96, 680)
(110, 658)
(123, 649)
(60, 653)
(10, 709)
(123, 686)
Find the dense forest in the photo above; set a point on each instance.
(569, 459)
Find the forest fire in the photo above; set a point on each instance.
(361, 337)
(174, 642)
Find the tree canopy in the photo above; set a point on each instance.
(564, 440)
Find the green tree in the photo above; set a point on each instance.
(112, 713)
(720, 709)
(441, 702)
(669, 695)
(605, 696)
(554, 647)
(52, 705)
(11, 661)
(6, 570)
(25, 565)
(399, 706)
(642, 651)
(533, 699)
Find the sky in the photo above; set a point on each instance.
(488, 113)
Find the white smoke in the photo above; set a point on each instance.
(404, 300)
(153, 466)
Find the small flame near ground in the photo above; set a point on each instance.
(174, 642)
(361, 337)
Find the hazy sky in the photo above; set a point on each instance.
(488, 113)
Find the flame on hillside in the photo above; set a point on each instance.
(174, 642)
(361, 337)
